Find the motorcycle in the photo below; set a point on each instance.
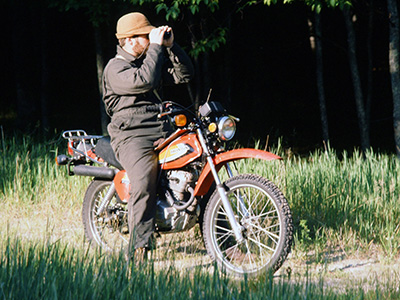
(245, 221)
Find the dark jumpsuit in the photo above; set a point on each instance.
(128, 89)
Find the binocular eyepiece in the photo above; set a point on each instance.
(167, 35)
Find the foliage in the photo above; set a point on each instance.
(175, 9)
(318, 4)
(97, 10)
(212, 42)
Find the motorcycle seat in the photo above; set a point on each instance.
(104, 150)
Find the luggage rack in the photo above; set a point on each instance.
(79, 142)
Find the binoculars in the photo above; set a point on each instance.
(167, 35)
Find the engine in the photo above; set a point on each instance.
(180, 182)
(174, 212)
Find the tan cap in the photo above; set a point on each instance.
(133, 24)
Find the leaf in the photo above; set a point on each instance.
(160, 7)
(194, 9)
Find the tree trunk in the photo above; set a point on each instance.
(319, 69)
(104, 119)
(227, 68)
(44, 74)
(195, 97)
(394, 65)
(197, 82)
(370, 64)
(351, 43)
(205, 62)
(25, 105)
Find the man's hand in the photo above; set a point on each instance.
(156, 36)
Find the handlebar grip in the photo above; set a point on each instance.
(154, 108)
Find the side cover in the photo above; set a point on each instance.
(122, 185)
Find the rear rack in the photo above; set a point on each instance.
(79, 142)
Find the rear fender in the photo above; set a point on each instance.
(206, 178)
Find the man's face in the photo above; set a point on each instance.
(140, 44)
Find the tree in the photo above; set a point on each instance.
(358, 93)
(206, 35)
(316, 46)
(98, 12)
(363, 124)
(44, 72)
(25, 101)
(394, 65)
(369, 63)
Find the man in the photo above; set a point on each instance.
(146, 58)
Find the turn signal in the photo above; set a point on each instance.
(212, 127)
(62, 160)
(180, 120)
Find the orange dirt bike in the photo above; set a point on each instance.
(245, 221)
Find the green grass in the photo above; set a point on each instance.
(339, 201)
(351, 200)
(43, 270)
(28, 173)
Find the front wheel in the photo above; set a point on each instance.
(264, 215)
(108, 229)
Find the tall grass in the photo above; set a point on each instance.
(54, 271)
(337, 200)
(353, 199)
(36, 196)
(28, 173)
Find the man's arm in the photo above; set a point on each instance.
(182, 70)
(126, 79)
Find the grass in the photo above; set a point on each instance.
(44, 270)
(343, 205)
(352, 200)
(38, 270)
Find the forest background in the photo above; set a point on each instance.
(307, 71)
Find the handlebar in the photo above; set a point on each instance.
(170, 108)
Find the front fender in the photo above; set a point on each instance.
(206, 178)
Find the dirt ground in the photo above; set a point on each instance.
(366, 271)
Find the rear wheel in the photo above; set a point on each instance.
(109, 229)
(263, 212)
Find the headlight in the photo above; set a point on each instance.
(226, 128)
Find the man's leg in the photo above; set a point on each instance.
(139, 160)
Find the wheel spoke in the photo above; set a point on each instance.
(260, 216)
(108, 228)
(254, 200)
(261, 245)
(225, 235)
(261, 210)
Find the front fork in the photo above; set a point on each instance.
(237, 228)
(242, 206)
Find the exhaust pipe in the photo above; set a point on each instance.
(98, 172)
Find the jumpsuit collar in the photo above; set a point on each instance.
(125, 55)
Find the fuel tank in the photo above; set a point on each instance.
(180, 152)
